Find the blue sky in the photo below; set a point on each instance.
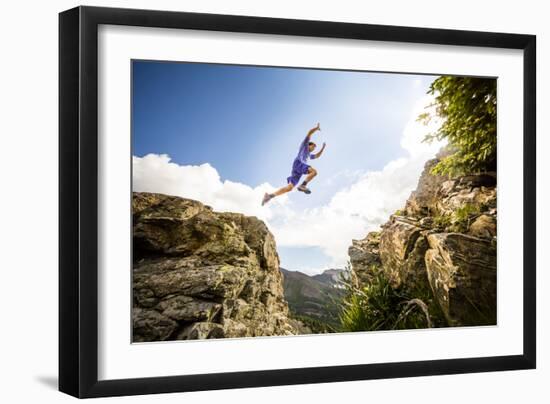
(247, 122)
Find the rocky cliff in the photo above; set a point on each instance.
(203, 274)
(444, 243)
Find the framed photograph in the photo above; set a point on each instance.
(249, 201)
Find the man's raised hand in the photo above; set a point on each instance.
(313, 130)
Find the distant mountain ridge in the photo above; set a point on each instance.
(332, 276)
(315, 297)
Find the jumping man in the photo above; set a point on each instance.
(300, 167)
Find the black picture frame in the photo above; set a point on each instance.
(78, 201)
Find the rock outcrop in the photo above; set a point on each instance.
(365, 257)
(203, 274)
(443, 242)
(461, 271)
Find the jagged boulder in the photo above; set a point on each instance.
(438, 195)
(484, 226)
(423, 199)
(461, 270)
(442, 246)
(203, 274)
(402, 248)
(364, 257)
(201, 331)
(478, 199)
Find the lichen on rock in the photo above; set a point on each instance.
(462, 273)
(365, 257)
(442, 242)
(203, 274)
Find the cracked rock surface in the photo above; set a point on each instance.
(202, 274)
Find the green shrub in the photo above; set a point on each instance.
(458, 221)
(378, 306)
(462, 217)
(442, 221)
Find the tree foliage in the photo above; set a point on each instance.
(468, 106)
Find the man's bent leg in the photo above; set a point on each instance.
(311, 173)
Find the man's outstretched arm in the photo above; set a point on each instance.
(313, 130)
(318, 154)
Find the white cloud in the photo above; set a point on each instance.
(351, 212)
(156, 173)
